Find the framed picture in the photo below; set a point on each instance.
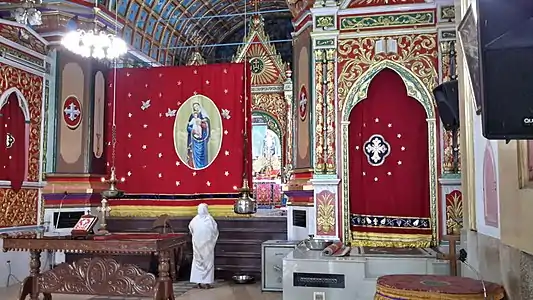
(84, 225)
(469, 38)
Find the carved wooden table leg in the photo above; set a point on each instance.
(164, 290)
(30, 286)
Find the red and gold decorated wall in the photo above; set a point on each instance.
(366, 3)
(416, 52)
(21, 208)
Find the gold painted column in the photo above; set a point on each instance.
(325, 179)
(319, 65)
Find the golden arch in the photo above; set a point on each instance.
(415, 89)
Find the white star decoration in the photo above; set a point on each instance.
(177, 164)
(193, 173)
(403, 148)
(171, 112)
(225, 91)
(226, 173)
(399, 163)
(179, 82)
(177, 183)
(144, 147)
(129, 115)
(145, 104)
(129, 155)
(159, 175)
(226, 153)
(145, 125)
(390, 125)
(129, 95)
(129, 173)
(376, 120)
(389, 173)
(160, 134)
(399, 135)
(375, 179)
(160, 155)
(356, 147)
(207, 82)
(129, 135)
(226, 114)
(208, 183)
(225, 132)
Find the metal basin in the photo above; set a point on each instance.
(243, 279)
(315, 244)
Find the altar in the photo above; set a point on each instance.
(100, 274)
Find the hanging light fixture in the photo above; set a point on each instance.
(245, 205)
(95, 43)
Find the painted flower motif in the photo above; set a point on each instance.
(226, 114)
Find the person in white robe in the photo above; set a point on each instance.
(204, 231)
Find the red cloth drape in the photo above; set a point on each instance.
(155, 121)
(13, 149)
(389, 191)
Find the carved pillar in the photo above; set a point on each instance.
(319, 64)
(330, 112)
(325, 179)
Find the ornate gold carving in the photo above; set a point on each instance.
(18, 209)
(417, 89)
(387, 20)
(380, 2)
(325, 21)
(319, 112)
(256, 45)
(454, 212)
(417, 52)
(447, 13)
(447, 160)
(325, 213)
(98, 276)
(273, 104)
(330, 155)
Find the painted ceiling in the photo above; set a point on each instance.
(169, 30)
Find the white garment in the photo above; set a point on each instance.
(204, 232)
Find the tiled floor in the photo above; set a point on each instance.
(221, 291)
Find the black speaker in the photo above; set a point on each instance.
(506, 46)
(447, 99)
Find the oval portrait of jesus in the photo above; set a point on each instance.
(198, 132)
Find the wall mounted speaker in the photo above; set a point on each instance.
(447, 99)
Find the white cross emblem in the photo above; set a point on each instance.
(10, 140)
(376, 150)
(72, 112)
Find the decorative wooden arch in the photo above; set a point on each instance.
(415, 89)
(23, 103)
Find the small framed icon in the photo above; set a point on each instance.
(85, 225)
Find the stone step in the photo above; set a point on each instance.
(243, 259)
(237, 245)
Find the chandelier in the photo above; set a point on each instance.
(95, 44)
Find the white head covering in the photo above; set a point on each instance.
(203, 219)
(204, 114)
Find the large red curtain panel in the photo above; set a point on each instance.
(389, 186)
(13, 150)
(179, 130)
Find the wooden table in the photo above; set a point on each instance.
(100, 275)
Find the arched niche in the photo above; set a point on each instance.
(267, 146)
(415, 89)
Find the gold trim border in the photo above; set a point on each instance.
(415, 89)
(390, 240)
(173, 211)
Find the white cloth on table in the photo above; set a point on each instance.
(204, 232)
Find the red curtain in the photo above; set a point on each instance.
(388, 157)
(13, 148)
(166, 144)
